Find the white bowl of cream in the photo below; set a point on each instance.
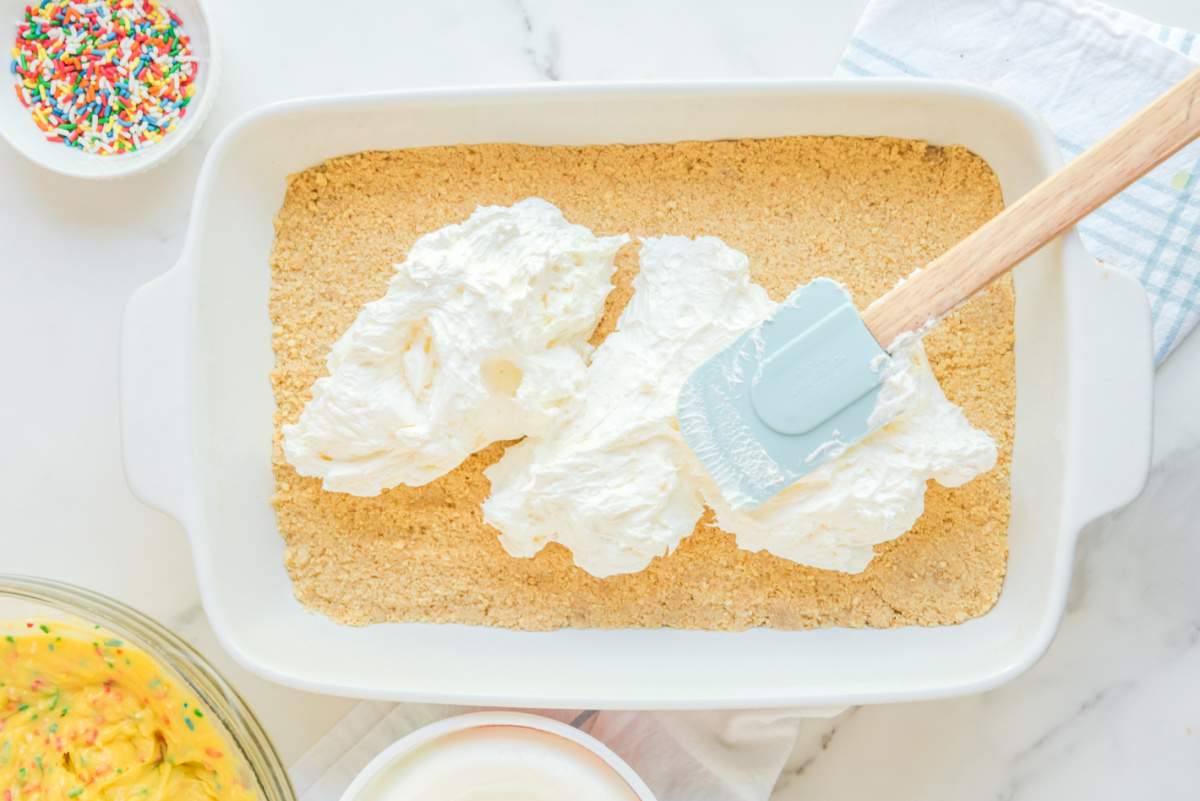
(498, 756)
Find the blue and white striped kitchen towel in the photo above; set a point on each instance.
(1086, 68)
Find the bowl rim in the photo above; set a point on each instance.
(177, 655)
(161, 151)
(481, 720)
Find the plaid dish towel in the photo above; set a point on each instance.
(1085, 68)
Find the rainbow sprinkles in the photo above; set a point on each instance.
(107, 77)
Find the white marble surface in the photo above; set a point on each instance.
(1113, 710)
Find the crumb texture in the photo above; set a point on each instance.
(863, 211)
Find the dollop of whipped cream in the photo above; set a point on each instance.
(482, 336)
(614, 480)
(874, 490)
(616, 483)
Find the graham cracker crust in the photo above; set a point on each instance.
(864, 211)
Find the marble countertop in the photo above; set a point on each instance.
(1112, 711)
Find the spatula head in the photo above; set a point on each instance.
(786, 396)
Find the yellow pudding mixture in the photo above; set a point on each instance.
(89, 717)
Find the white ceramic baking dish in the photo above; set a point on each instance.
(197, 407)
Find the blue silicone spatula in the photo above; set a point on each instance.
(798, 389)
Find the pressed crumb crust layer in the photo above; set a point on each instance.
(864, 211)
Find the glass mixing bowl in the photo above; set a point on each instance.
(24, 599)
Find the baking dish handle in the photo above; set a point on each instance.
(1111, 390)
(154, 391)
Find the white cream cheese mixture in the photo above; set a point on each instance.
(482, 336)
(613, 481)
(874, 491)
(617, 485)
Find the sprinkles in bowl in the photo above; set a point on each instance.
(106, 77)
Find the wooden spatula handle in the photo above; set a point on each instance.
(1051, 207)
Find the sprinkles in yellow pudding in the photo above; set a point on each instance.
(89, 717)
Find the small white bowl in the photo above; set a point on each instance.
(19, 129)
(369, 783)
